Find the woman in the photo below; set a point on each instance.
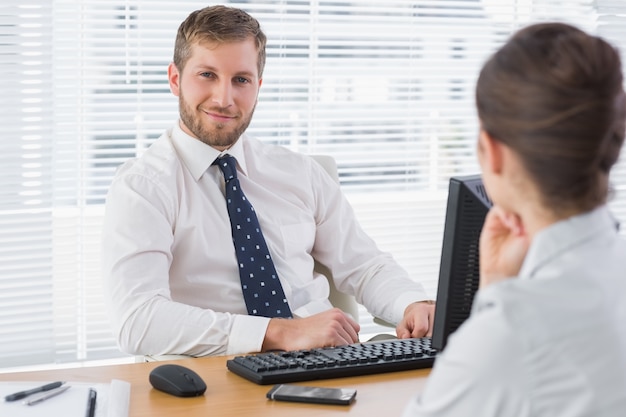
(547, 334)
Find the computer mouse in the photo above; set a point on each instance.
(177, 380)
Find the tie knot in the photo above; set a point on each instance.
(228, 166)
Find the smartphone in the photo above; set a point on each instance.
(316, 395)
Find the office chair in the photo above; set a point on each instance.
(345, 302)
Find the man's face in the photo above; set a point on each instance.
(217, 91)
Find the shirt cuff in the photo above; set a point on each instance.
(247, 334)
(403, 301)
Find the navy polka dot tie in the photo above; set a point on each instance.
(262, 291)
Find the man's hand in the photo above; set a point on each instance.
(503, 246)
(417, 321)
(329, 328)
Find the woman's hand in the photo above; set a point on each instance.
(503, 246)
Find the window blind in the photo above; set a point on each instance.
(26, 244)
(386, 88)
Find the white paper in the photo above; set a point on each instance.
(112, 400)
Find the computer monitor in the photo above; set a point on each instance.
(467, 207)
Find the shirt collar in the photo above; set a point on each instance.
(198, 156)
(564, 235)
(238, 152)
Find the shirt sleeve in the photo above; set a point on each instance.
(136, 256)
(358, 266)
(481, 372)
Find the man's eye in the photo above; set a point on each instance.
(206, 74)
(242, 80)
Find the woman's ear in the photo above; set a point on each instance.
(490, 153)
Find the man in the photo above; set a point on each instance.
(171, 272)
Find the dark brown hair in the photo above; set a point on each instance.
(554, 95)
(218, 24)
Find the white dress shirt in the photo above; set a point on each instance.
(170, 269)
(551, 342)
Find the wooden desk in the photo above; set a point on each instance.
(230, 395)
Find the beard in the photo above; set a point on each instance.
(218, 135)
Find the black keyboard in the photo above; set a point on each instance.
(334, 362)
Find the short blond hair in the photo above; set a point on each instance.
(218, 24)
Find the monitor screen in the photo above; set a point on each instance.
(467, 207)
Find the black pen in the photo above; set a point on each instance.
(91, 403)
(22, 394)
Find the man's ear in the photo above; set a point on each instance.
(173, 75)
(490, 152)
(259, 89)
